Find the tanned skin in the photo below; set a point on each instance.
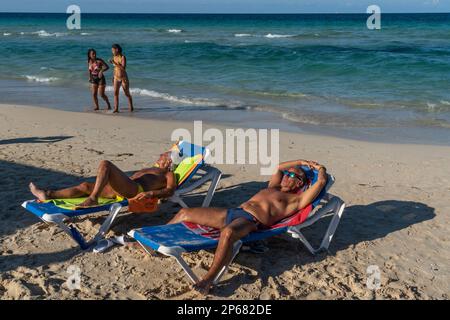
(157, 182)
(278, 201)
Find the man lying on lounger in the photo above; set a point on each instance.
(281, 199)
(156, 182)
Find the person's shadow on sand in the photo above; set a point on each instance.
(359, 223)
(51, 139)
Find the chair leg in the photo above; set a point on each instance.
(295, 233)
(212, 188)
(113, 213)
(186, 268)
(338, 210)
(236, 247)
(214, 175)
(73, 233)
(333, 226)
(177, 199)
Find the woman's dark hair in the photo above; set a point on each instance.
(118, 47)
(89, 53)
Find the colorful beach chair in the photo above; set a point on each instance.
(191, 173)
(173, 240)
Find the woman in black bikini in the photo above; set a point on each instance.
(96, 68)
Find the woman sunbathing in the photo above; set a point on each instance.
(281, 199)
(156, 182)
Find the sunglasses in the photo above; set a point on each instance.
(291, 174)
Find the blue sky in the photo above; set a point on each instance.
(226, 6)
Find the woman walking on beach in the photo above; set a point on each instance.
(120, 77)
(96, 68)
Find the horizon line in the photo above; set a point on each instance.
(226, 13)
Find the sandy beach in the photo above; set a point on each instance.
(397, 216)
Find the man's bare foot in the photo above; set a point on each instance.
(116, 111)
(38, 193)
(203, 286)
(87, 203)
(131, 109)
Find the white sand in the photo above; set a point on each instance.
(397, 217)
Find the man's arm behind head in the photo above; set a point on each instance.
(313, 191)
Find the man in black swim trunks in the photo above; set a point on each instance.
(280, 200)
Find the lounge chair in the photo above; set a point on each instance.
(191, 173)
(175, 239)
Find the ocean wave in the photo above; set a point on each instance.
(174, 30)
(85, 34)
(431, 106)
(269, 35)
(287, 114)
(281, 94)
(41, 79)
(445, 102)
(181, 100)
(43, 33)
(6, 34)
(273, 36)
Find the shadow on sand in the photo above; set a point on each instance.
(51, 139)
(359, 223)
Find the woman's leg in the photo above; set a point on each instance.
(126, 90)
(109, 174)
(116, 95)
(82, 190)
(94, 91)
(101, 90)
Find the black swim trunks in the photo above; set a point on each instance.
(233, 214)
(98, 81)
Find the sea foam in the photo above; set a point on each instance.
(41, 79)
(270, 35)
(43, 33)
(181, 100)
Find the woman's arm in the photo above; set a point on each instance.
(105, 66)
(124, 62)
(122, 65)
(166, 192)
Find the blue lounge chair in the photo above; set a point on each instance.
(192, 165)
(175, 239)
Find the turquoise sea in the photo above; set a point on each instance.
(321, 72)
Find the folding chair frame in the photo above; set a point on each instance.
(207, 173)
(332, 206)
(60, 221)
